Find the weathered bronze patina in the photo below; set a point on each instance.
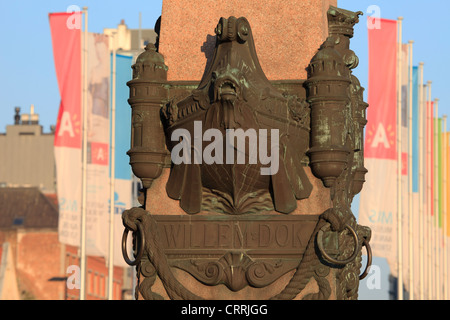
(239, 229)
(235, 94)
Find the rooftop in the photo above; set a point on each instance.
(27, 208)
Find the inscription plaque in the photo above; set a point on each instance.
(268, 246)
(268, 235)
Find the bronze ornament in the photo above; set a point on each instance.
(235, 94)
(239, 229)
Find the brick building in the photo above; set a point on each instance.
(33, 263)
(29, 232)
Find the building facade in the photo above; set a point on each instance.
(33, 263)
(26, 155)
(130, 40)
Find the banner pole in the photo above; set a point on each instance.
(410, 182)
(436, 201)
(430, 187)
(427, 210)
(113, 170)
(84, 163)
(446, 226)
(399, 165)
(444, 211)
(434, 193)
(421, 185)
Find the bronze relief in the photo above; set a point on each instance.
(235, 96)
(239, 147)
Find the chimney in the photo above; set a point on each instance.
(17, 116)
(34, 117)
(25, 119)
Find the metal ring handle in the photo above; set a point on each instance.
(140, 248)
(330, 259)
(369, 260)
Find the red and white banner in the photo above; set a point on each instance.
(378, 202)
(67, 57)
(68, 135)
(98, 136)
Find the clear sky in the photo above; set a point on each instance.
(424, 22)
(27, 74)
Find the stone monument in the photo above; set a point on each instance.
(247, 135)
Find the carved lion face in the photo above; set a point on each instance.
(227, 87)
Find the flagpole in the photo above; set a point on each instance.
(430, 186)
(113, 171)
(399, 165)
(428, 183)
(432, 231)
(421, 187)
(410, 182)
(446, 286)
(84, 164)
(436, 201)
(435, 193)
(444, 227)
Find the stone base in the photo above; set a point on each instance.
(286, 34)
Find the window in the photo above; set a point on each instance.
(96, 284)
(18, 221)
(117, 294)
(90, 282)
(103, 285)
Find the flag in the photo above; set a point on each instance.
(426, 189)
(430, 191)
(416, 117)
(440, 172)
(123, 175)
(425, 157)
(67, 144)
(66, 41)
(447, 146)
(444, 181)
(378, 200)
(406, 170)
(432, 156)
(98, 144)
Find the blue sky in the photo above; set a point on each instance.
(27, 74)
(424, 23)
